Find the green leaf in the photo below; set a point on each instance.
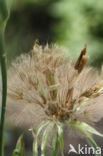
(84, 129)
(90, 140)
(55, 144)
(35, 142)
(19, 150)
(60, 137)
(45, 138)
(92, 143)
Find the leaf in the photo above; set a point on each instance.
(35, 142)
(92, 143)
(19, 150)
(60, 137)
(55, 144)
(84, 129)
(45, 138)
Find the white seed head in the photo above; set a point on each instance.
(46, 84)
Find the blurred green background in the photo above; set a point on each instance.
(69, 23)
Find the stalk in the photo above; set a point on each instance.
(3, 21)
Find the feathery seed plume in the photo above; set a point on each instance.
(46, 91)
(45, 84)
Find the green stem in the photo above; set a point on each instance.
(3, 20)
(4, 90)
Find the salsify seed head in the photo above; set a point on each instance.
(46, 84)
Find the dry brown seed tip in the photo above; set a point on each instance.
(81, 61)
(68, 104)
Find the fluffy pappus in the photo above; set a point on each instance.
(46, 84)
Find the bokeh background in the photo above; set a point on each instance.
(69, 23)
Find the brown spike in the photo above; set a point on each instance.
(70, 93)
(81, 60)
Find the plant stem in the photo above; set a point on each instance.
(4, 91)
(3, 20)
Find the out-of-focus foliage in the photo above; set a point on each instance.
(67, 22)
(79, 22)
(22, 3)
(29, 21)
